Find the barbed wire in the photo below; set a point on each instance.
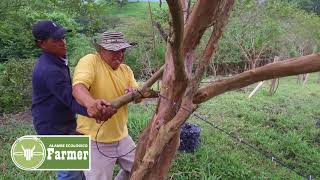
(202, 117)
(237, 138)
(268, 155)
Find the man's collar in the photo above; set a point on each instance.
(55, 59)
(107, 65)
(65, 60)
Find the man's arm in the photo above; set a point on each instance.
(61, 88)
(84, 75)
(83, 96)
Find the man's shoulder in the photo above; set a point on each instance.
(89, 57)
(46, 62)
(41, 66)
(125, 68)
(44, 69)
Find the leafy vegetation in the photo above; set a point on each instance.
(15, 85)
(256, 33)
(308, 5)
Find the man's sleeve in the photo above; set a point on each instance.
(61, 88)
(84, 72)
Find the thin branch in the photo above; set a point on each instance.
(244, 52)
(294, 66)
(213, 41)
(162, 32)
(151, 19)
(176, 38)
(188, 10)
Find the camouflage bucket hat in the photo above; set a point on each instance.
(113, 41)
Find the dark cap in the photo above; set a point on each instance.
(42, 30)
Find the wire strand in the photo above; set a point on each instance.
(201, 117)
(267, 155)
(96, 141)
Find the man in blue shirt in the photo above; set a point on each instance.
(53, 106)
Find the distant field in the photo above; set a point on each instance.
(140, 9)
(286, 124)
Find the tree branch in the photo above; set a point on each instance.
(244, 52)
(144, 89)
(176, 38)
(294, 66)
(184, 4)
(162, 32)
(195, 26)
(188, 10)
(213, 41)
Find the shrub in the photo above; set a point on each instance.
(144, 58)
(15, 85)
(78, 46)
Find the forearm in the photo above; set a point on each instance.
(99, 109)
(82, 95)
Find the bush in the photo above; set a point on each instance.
(16, 38)
(144, 58)
(78, 46)
(1, 67)
(15, 85)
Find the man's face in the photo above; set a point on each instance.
(54, 46)
(113, 58)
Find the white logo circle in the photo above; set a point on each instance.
(28, 152)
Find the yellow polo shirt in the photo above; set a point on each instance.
(104, 83)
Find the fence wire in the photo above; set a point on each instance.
(204, 118)
(267, 155)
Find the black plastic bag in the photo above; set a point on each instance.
(189, 137)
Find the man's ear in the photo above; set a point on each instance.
(39, 43)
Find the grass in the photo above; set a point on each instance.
(284, 124)
(139, 9)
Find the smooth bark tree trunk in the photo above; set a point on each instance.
(160, 139)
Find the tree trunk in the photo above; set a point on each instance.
(159, 141)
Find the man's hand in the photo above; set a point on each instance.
(131, 90)
(101, 110)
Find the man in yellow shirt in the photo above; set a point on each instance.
(102, 75)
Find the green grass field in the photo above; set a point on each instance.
(140, 9)
(284, 124)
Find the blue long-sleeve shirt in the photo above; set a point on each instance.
(53, 106)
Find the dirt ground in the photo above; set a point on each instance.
(21, 116)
